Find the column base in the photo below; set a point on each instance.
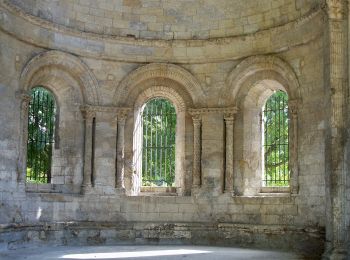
(229, 193)
(195, 191)
(21, 185)
(86, 189)
(120, 191)
(336, 254)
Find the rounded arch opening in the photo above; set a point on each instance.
(73, 85)
(275, 140)
(158, 117)
(253, 176)
(176, 149)
(42, 134)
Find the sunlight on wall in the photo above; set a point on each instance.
(38, 213)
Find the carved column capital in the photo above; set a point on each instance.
(87, 112)
(336, 9)
(24, 97)
(197, 119)
(229, 118)
(122, 114)
(196, 115)
(293, 106)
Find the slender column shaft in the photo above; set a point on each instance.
(88, 118)
(229, 120)
(196, 181)
(22, 163)
(294, 181)
(120, 152)
(336, 66)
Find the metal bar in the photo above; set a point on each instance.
(161, 142)
(41, 114)
(165, 125)
(159, 114)
(276, 143)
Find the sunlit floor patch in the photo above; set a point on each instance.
(116, 255)
(144, 252)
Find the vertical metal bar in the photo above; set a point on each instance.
(165, 145)
(37, 136)
(170, 146)
(47, 138)
(144, 144)
(52, 122)
(161, 143)
(151, 120)
(265, 143)
(41, 95)
(284, 141)
(277, 100)
(156, 139)
(275, 141)
(287, 139)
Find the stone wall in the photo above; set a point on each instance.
(164, 19)
(211, 82)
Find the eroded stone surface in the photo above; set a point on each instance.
(213, 82)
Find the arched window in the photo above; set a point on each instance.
(158, 145)
(41, 129)
(276, 140)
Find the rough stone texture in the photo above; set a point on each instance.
(210, 81)
(164, 19)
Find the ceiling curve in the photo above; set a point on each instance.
(168, 19)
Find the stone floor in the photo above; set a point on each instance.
(143, 252)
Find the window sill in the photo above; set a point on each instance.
(47, 188)
(274, 190)
(158, 191)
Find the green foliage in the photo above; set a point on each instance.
(41, 123)
(158, 153)
(35, 177)
(276, 149)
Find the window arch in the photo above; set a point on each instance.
(180, 184)
(42, 115)
(158, 146)
(275, 140)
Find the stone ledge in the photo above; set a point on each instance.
(308, 240)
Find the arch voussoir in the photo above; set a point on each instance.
(67, 63)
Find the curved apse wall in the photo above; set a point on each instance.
(166, 19)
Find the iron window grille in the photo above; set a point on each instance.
(41, 128)
(158, 149)
(276, 140)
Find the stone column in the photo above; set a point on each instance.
(196, 173)
(293, 159)
(24, 98)
(336, 80)
(88, 116)
(229, 121)
(120, 151)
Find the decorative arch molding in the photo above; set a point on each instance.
(256, 69)
(67, 63)
(248, 87)
(161, 91)
(159, 71)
